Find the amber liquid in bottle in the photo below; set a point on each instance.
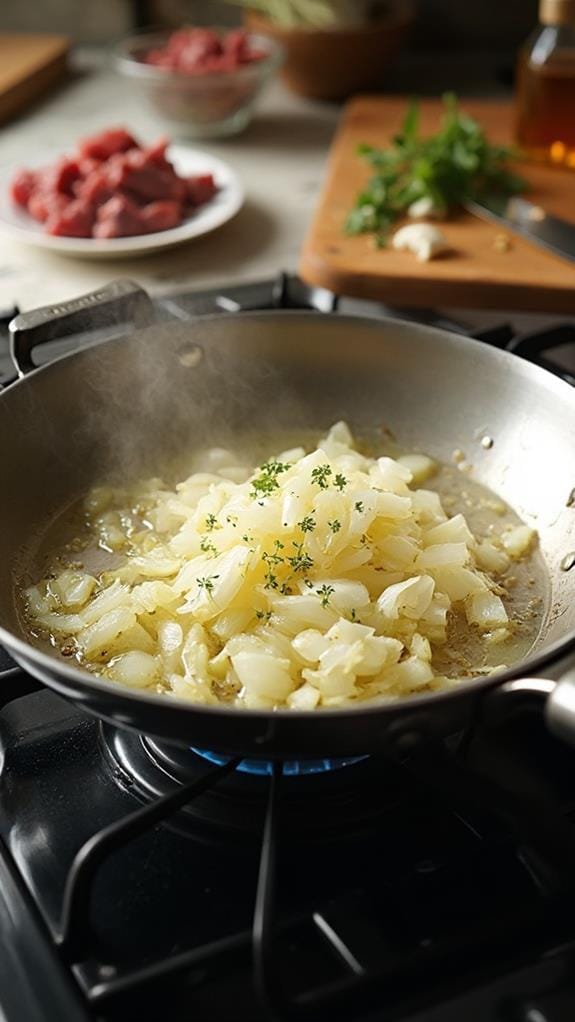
(546, 109)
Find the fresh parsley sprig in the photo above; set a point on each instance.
(206, 584)
(208, 547)
(267, 480)
(301, 560)
(320, 475)
(456, 164)
(325, 592)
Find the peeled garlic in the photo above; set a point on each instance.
(424, 240)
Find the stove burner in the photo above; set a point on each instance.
(326, 803)
(290, 768)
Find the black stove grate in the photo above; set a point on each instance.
(495, 886)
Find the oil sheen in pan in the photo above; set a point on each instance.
(526, 584)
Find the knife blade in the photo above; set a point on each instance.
(529, 220)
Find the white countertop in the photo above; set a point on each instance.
(280, 159)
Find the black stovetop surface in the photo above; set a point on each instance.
(439, 889)
(396, 897)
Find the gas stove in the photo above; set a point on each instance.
(140, 881)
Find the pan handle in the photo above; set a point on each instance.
(120, 302)
(558, 708)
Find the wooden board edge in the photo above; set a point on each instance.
(402, 291)
(318, 271)
(31, 89)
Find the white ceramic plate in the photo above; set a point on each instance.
(16, 223)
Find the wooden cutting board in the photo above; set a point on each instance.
(29, 66)
(474, 274)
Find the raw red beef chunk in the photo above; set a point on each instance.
(118, 218)
(43, 204)
(238, 49)
(95, 188)
(106, 144)
(201, 188)
(113, 188)
(157, 153)
(22, 187)
(160, 216)
(61, 177)
(121, 217)
(196, 51)
(58, 180)
(87, 165)
(137, 174)
(74, 221)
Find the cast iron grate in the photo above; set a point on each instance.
(535, 870)
(491, 895)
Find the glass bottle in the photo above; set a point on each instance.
(546, 86)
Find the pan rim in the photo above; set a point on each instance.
(529, 667)
(523, 668)
(406, 326)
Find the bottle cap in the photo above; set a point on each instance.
(557, 12)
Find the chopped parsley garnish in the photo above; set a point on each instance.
(263, 615)
(325, 592)
(272, 560)
(285, 590)
(212, 523)
(267, 481)
(276, 557)
(307, 524)
(301, 561)
(358, 505)
(320, 475)
(335, 525)
(271, 580)
(207, 583)
(207, 546)
(340, 481)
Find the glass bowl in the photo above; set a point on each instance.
(206, 105)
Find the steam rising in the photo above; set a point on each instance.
(177, 388)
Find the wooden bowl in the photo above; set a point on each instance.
(336, 63)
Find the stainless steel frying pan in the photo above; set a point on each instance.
(131, 404)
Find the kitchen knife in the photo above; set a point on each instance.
(529, 220)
